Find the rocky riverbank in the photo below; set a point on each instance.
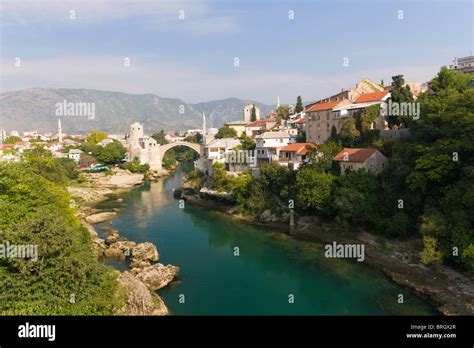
(449, 290)
(146, 274)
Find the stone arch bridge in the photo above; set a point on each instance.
(162, 149)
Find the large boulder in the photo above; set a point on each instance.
(100, 217)
(112, 238)
(144, 252)
(267, 216)
(139, 300)
(126, 246)
(157, 276)
(111, 253)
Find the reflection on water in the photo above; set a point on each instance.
(270, 266)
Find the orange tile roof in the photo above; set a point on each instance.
(324, 106)
(355, 155)
(301, 120)
(299, 148)
(369, 97)
(258, 123)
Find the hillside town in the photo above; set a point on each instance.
(285, 136)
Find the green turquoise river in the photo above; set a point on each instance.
(270, 270)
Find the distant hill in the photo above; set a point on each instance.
(222, 111)
(34, 109)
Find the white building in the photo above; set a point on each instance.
(464, 64)
(216, 151)
(75, 154)
(269, 144)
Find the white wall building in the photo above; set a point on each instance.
(269, 144)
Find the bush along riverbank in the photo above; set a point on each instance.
(137, 287)
(47, 210)
(451, 291)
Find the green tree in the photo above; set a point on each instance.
(283, 112)
(299, 105)
(160, 137)
(112, 153)
(37, 212)
(226, 132)
(349, 135)
(12, 139)
(313, 189)
(94, 137)
(399, 93)
(253, 115)
(247, 143)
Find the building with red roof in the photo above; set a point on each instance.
(320, 120)
(295, 155)
(353, 159)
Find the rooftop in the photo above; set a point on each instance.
(299, 148)
(354, 155)
(370, 97)
(273, 135)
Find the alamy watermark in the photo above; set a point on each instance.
(345, 251)
(402, 109)
(242, 157)
(67, 108)
(19, 251)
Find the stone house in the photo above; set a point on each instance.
(353, 159)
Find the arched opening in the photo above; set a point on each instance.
(180, 154)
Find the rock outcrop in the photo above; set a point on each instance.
(139, 299)
(157, 276)
(143, 255)
(100, 217)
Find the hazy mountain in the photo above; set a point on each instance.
(35, 109)
(219, 112)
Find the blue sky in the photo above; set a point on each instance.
(193, 58)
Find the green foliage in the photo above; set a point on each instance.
(246, 143)
(283, 112)
(12, 139)
(36, 211)
(313, 189)
(253, 115)
(196, 138)
(301, 137)
(355, 199)
(95, 137)
(349, 135)
(322, 157)
(278, 179)
(226, 132)
(299, 105)
(430, 254)
(57, 170)
(160, 137)
(135, 167)
(112, 153)
(399, 94)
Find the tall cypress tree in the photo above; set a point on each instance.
(299, 105)
(253, 116)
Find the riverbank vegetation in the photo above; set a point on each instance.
(66, 277)
(427, 192)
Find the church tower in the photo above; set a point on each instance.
(278, 103)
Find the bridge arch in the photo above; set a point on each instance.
(164, 148)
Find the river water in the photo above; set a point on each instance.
(271, 275)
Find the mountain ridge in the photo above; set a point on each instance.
(34, 109)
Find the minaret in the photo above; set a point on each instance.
(60, 132)
(204, 130)
(278, 102)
